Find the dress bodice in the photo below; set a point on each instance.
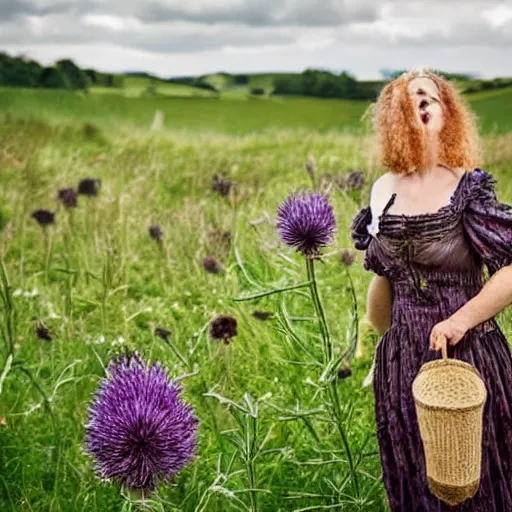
(428, 256)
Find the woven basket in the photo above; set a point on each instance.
(449, 396)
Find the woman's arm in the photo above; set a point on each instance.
(378, 303)
(493, 298)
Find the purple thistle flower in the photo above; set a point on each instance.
(223, 327)
(44, 217)
(139, 430)
(68, 197)
(89, 187)
(306, 221)
(156, 233)
(42, 332)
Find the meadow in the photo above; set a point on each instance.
(99, 284)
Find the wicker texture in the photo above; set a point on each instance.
(449, 396)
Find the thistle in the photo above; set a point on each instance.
(163, 333)
(68, 197)
(221, 185)
(89, 187)
(306, 222)
(44, 217)
(211, 265)
(262, 315)
(139, 430)
(42, 332)
(347, 257)
(223, 328)
(354, 180)
(156, 233)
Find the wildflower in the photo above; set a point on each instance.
(163, 333)
(89, 187)
(68, 197)
(43, 217)
(221, 185)
(347, 257)
(344, 372)
(261, 315)
(354, 180)
(139, 430)
(156, 233)
(306, 221)
(210, 264)
(43, 333)
(223, 328)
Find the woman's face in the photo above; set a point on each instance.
(427, 103)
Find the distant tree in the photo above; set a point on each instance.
(241, 79)
(77, 78)
(54, 78)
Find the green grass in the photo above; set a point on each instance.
(108, 285)
(228, 115)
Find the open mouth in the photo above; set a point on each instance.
(425, 117)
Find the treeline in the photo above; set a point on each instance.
(324, 84)
(199, 82)
(64, 74)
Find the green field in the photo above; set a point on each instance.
(227, 115)
(101, 285)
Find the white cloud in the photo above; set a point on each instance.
(172, 37)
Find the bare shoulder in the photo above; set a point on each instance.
(381, 191)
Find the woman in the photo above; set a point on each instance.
(433, 225)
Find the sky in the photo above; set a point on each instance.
(177, 37)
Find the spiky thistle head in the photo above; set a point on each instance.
(139, 430)
(306, 222)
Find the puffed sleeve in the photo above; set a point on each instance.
(487, 222)
(361, 237)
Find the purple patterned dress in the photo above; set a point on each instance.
(435, 263)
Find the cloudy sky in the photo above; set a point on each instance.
(177, 37)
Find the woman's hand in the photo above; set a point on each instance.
(449, 331)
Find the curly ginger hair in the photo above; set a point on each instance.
(403, 145)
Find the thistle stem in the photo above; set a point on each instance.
(324, 329)
(333, 391)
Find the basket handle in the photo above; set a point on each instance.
(444, 346)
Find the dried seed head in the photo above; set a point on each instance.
(163, 333)
(221, 185)
(344, 372)
(262, 315)
(43, 217)
(68, 197)
(354, 180)
(211, 265)
(42, 332)
(223, 328)
(156, 233)
(347, 257)
(89, 187)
